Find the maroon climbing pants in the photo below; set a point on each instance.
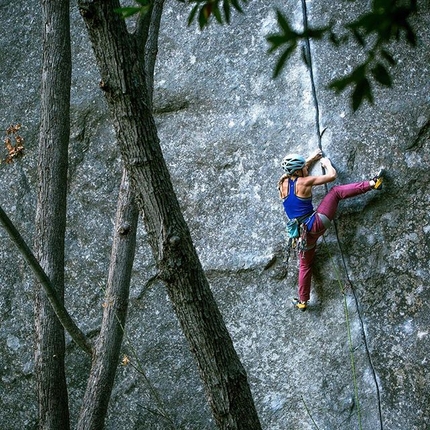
(327, 207)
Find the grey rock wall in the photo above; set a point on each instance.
(225, 125)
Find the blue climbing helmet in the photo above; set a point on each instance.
(293, 162)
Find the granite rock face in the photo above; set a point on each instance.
(359, 355)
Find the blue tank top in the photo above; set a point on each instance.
(296, 207)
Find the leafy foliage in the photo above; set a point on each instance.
(289, 40)
(143, 8)
(203, 10)
(374, 31)
(14, 144)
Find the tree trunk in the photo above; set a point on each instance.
(123, 81)
(51, 212)
(49, 289)
(108, 346)
(106, 355)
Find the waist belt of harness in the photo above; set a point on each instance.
(303, 218)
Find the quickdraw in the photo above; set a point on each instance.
(297, 233)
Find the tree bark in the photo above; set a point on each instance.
(50, 290)
(51, 212)
(108, 346)
(106, 356)
(124, 84)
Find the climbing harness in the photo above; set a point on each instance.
(297, 230)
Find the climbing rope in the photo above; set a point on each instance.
(348, 329)
(308, 57)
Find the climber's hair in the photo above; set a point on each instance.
(281, 181)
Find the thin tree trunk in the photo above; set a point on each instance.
(51, 212)
(50, 290)
(107, 350)
(123, 81)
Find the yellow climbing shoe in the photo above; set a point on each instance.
(300, 305)
(378, 179)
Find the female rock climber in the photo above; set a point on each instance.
(295, 189)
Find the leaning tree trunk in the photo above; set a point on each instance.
(51, 212)
(123, 81)
(106, 354)
(108, 345)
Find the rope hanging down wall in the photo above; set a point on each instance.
(308, 57)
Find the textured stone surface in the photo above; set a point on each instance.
(224, 126)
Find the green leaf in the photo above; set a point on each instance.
(379, 6)
(193, 14)
(126, 12)
(216, 12)
(204, 15)
(237, 6)
(227, 11)
(204, 9)
(144, 2)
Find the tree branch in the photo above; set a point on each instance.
(59, 309)
(151, 45)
